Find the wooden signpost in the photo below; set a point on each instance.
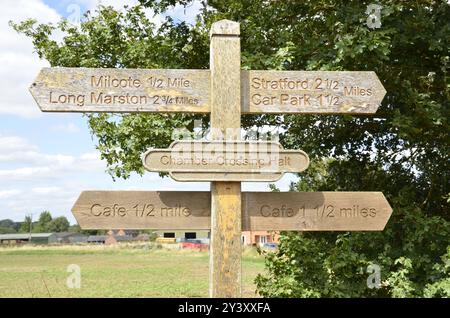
(164, 210)
(63, 89)
(225, 245)
(261, 211)
(315, 211)
(225, 161)
(313, 92)
(226, 92)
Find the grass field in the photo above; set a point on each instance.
(113, 271)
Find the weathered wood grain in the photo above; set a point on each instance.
(63, 89)
(315, 211)
(225, 161)
(225, 248)
(261, 211)
(310, 92)
(157, 210)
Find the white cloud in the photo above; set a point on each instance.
(51, 167)
(5, 194)
(10, 144)
(90, 156)
(19, 64)
(32, 180)
(35, 157)
(24, 173)
(46, 190)
(25, 164)
(70, 128)
(56, 200)
(17, 150)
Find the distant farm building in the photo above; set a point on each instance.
(123, 232)
(258, 238)
(109, 239)
(142, 238)
(97, 239)
(36, 238)
(71, 238)
(185, 235)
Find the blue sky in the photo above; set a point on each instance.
(47, 159)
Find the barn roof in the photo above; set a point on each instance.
(24, 236)
(99, 238)
(68, 234)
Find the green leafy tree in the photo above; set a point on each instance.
(26, 225)
(75, 228)
(43, 223)
(403, 150)
(59, 224)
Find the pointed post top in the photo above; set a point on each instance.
(225, 27)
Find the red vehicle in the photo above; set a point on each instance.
(194, 245)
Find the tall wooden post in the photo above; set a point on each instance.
(225, 253)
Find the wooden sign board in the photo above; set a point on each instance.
(261, 211)
(63, 89)
(225, 161)
(143, 210)
(315, 211)
(310, 92)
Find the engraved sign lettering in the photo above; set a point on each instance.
(143, 210)
(311, 92)
(225, 161)
(316, 211)
(261, 211)
(121, 90)
(63, 89)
